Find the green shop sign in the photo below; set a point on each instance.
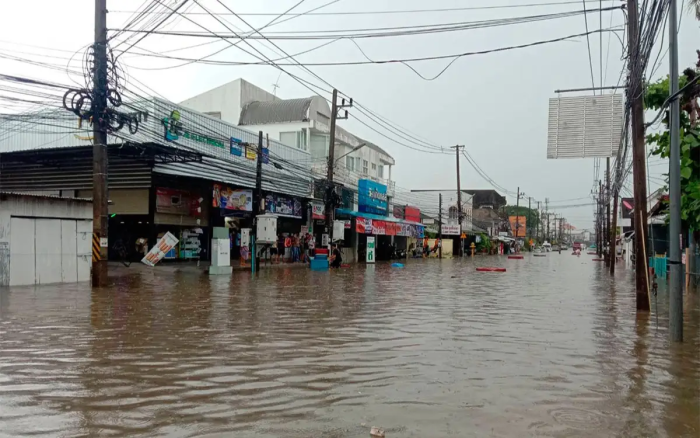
(174, 130)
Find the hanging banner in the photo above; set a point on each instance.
(378, 228)
(360, 225)
(317, 211)
(338, 230)
(162, 247)
(235, 147)
(245, 243)
(283, 206)
(348, 225)
(232, 199)
(391, 228)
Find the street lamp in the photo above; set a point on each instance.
(356, 148)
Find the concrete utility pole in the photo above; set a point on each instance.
(439, 225)
(607, 211)
(601, 231)
(459, 201)
(675, 305)
(546, 212)
(528, 231)
(613, 235)
(100, 196)
(257, 203)
(636, 95)
(517, 214)
(330, 208)
(539, 219)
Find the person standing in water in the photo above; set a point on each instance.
(337, 257)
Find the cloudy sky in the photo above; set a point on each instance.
(495, 104)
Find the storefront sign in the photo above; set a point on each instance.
(174, 130)
(304, 230)
(412, 214)
(519, 229)
(227, 198)
(181, 202)
(317, 210)
(250, 152)
(162, 247)
(372, 197)
(338, 230)
(370, 250)
(283, 206)
(378, 228)
(450, 230)
(348, 225)
(399, 211)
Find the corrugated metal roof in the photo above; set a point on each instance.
(281, 111)
(40, 196)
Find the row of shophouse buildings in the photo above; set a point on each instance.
(190, 169)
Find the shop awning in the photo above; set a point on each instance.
(353, 213)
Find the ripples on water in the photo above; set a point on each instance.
(552, 348)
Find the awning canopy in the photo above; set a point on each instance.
(353, 213)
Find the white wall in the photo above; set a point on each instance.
(274, 129)
(228, 99)
(35, 207)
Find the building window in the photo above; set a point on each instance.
(380, 171)
(374, 169)
(358, 164)
(350, 163)
(289, 139)
(365, 167)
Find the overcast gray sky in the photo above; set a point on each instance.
(495, 104)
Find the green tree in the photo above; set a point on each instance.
(654, 99)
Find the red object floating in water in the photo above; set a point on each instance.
(598, 260)
(517, 257)
(491, 269)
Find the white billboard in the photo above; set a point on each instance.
(585, 126)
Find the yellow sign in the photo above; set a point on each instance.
(250, 153)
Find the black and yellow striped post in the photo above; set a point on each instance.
(96, 254)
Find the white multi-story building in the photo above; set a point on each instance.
(300, 123)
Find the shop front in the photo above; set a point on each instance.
(183, 213)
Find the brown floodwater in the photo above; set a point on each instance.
(551, 348)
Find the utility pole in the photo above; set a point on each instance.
(100, 196)
(539, 219)
(546, 212)
(440, 225)
(601, 230)
(613, 235)
(528, 230)
(675, 304)
(517, 214)
(608, 257)
(459, 201)
(330, 207)
(636, 94)
(257, 203)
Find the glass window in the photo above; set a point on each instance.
(365, 167)
(380, 171)
(358, 163)
(350, 163)
(289, 138)
(374, 168)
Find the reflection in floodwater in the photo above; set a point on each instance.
(552, 348)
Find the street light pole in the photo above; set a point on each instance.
(675, 239)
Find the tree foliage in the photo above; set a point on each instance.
(654, 99)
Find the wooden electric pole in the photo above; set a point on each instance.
(100, 196)
(607, 212)
(636, 95)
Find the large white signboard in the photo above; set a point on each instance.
(585, 126)
(156, 254)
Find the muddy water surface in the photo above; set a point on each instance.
(551, 348)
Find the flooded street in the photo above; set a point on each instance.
(552, 348)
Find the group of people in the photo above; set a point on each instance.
(293, 247)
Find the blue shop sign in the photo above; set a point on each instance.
(372, 197)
